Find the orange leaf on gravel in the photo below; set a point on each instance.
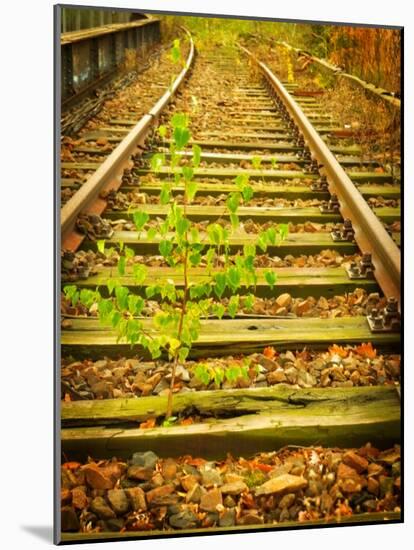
(150, 423)
(186, 421)
(269, 352)
(338, 350)
(71, 465)
(366, 350)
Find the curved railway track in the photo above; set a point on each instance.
(338, 272)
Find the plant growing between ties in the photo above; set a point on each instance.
(176, 326)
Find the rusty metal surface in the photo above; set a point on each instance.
(370, 234)
(109, 174)
(77, 36)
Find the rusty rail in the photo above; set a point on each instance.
(109, 174)
(370, 234)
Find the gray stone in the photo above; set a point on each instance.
(210, 477)
(229, 501)
(140, 473)
(115, 524)
(284, 482)
(182, 373)
(137, 497)
(195, 494)
(118, 501)
(227, 518)
(251, 518)
(161, 386)
(101, 508)
(234, 488)
(69, 519)
(183, 520)
(287, 500)
(146, 460)
(211, 500)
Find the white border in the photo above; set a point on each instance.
(27, 279)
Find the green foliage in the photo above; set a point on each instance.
(176, 51)
(177, 322)
(207, 373)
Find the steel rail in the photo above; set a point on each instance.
(370, 234)
(109, 173)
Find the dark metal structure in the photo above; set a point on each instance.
(91, 56)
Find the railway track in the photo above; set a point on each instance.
(321, 345)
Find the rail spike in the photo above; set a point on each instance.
(331, 206)
(387, 319)
(345, 233)
(364, 269)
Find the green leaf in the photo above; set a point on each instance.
(183, 353)
(220, 281)
(165, 195)
(139, 272)
(271, 235)
(151, 290)
(105, 308)
(256, 162)
(135, 304)
(110, 285)
(87, 297)
(140, 219)
(162, 131)
(218, 376)
(192, 188)
(121, 293)
(195, 259)
(233, 277)
(176, 51)
(218, 310)
(165, 247)
(247, 193)
(152, 231)
(262, 241)
(182, 226)
(129, 252)
(168, 422)
(210, 256)
(232, 373)
(179, 120)
(181, 137)
(271, 278)
(233, 305)
(196, 155)
(69, 291)
(283, 230)
(157, 161)
(202, 372)
(241, 181)
(188, 173)
(249, 302)
(121, 266)
(215, 233)
(249, 250)
(115, 318)
(101, 246)
(234, 218)
(233, 201)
